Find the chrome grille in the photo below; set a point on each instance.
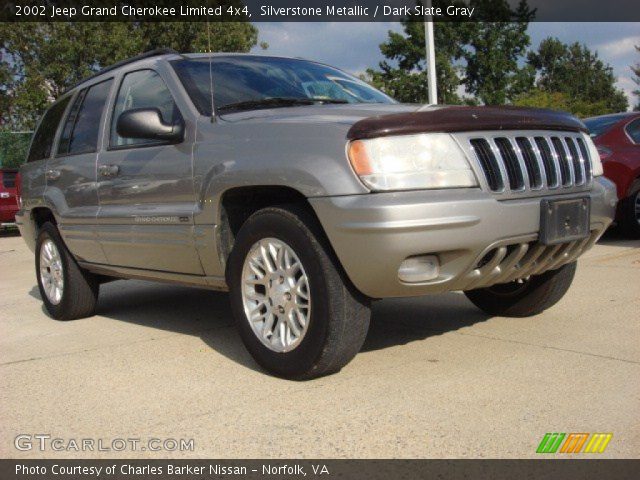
(530, 161)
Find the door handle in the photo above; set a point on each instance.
(109, 170)
(53, 174)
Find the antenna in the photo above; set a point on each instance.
(213, 116)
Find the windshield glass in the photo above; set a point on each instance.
(257, 81)
(600, 125)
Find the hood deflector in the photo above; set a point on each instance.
(464, 119)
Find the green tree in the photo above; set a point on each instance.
(13, 148)
(482, 56)
(539, 98)
(494, 49)
(403, 75)
(636, 71)
(41, 60)
(587, 83)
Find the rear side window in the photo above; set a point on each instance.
(633, 130)
(80, 133)
(142, 89)
(8, 179)
(43, 138)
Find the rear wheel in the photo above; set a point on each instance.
(524, 298)
(68, 291)
(297, 314)
(630, 223)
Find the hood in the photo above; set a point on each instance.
(379, 120)
(464, 119)
(347, 114)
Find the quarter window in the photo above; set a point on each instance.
(142, 89)
(633, 130)
(80, 133)
(43, 139)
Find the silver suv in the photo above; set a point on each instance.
(306, 194)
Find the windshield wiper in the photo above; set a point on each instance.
(276, 102)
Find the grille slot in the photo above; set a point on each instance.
(518, 163)
(489, 163)
(547, 159)
(585, 159)
(575, 159)
(508, 154)
(565, 172)
(529, 157)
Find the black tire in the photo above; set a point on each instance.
(339, 315)
(630, 224)
(80, 293)
(524, 299)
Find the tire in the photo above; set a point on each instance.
(79, 293)
(630, 223)
(524, 299)
(337, 316)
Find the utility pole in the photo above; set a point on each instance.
(431, 56)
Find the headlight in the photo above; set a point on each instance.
(596, 163)
(409, 162)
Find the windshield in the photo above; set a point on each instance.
(249, 82)
(600, 125)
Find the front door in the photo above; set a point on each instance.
(146, 187)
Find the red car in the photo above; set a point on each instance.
(8, 196)
(617, 137)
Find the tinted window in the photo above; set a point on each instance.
(8, 179)
(249, 79)
(65, 136)
(600, 125)
(142, 89)
(44, 136)
(633, 130)
(80, 133)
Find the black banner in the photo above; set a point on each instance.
(319, 10)
(318, 469)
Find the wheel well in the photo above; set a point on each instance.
(238, 204)
(42, 215)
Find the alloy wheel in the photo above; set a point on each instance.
(275, 294)
(51, 272)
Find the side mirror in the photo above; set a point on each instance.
(147, 123)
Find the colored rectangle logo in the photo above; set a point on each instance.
(575, 442)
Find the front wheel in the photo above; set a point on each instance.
(524, 298)
(297, 314)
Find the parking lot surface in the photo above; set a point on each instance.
(436, 377)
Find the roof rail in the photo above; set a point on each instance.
(151, 53)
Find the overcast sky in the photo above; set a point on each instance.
(354, 46)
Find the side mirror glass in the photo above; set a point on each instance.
(147, 123)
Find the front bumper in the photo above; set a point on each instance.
(478, 239)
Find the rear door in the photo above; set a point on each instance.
(71, 173)
(146, 187)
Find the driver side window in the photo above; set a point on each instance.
(142, 89)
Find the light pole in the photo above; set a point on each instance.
(431, 56)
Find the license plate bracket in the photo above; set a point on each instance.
(564, 221)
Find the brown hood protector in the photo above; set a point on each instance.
(464, 119)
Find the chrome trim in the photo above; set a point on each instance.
(464, 140)
(525, 259)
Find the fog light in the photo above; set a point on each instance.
(419, 269)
